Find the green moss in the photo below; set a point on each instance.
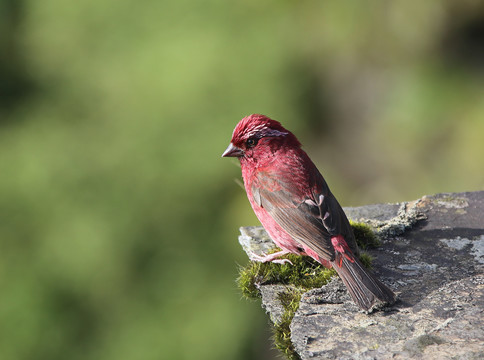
(303, 275)
(364, 235)
(366, 259)
(282, 332)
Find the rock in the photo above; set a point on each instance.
(432, 256)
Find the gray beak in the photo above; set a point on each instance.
(233, 151)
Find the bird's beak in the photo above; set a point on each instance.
(233, 151)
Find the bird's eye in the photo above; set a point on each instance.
(251, 142)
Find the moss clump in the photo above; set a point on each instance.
(305, 273)
(282, 332)
(366, 239)
(364, 235)
(366, 259)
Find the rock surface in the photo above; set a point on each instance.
(432, 256)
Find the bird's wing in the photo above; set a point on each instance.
(311, 220)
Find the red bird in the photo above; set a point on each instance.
(294, 204)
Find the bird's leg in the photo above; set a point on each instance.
(271, 257)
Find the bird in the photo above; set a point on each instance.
(294, 204)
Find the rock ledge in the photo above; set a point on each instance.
(432, 256)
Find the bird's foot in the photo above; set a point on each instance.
(271, 257)
(282, 261)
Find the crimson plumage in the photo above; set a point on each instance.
(296, 207)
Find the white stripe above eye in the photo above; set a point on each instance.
(264, 131)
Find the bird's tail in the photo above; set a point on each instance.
(363, 286)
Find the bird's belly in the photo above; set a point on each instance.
(280, 237)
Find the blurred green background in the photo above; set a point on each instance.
(119, 219)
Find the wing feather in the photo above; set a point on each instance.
(310, 220)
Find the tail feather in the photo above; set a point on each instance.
(363, 286)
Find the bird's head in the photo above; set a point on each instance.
(257, 133)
